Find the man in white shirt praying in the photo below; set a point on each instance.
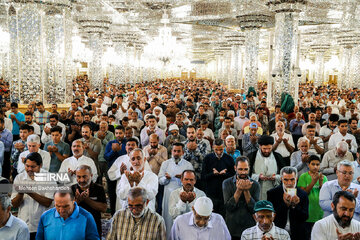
(339, 225)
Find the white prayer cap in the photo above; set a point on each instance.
(231, 112)
(173, 127)
(203, 206)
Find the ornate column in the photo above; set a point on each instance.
(319, 63)
(252, 24)
(235, 41)
(286, 16)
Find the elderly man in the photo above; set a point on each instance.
(312, 121)
(299, 159)
(296, 127)
(137, 176)
(200, 224)
(89, 195)
(340, 224)
(217, 167)
(316, 143)
(173, 137)
(344, 172)
(291, 204)
(80, 223)
(265, 165)
(70, 164)
(170, 175)
(240, 194)
(151, 128)
(54, 121)
(230, 147)
(137, 221)
(33, 144)
(343, 135)
(265, 228)
(284, 144)
(118, 168)
(31, 204)
(11, 227)
(155, 154)
(333, 157)
(250, 140)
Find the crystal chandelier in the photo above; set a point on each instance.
(164, 46)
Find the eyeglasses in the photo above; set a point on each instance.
(346, 173)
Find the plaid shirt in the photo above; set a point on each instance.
(195, 157)
(42, 118)
(254, 233)
(16, 153)
(151, 226)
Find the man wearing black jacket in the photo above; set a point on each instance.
(291, 204)
(217, 167)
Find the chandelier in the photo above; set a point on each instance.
(164, 46)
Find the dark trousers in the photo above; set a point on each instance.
(16, 137)
(235, 238)
(308, 229)
(6, 167)
(159, 199)
(218, 206)
(112, 194)
(32, 235)
(287, 161)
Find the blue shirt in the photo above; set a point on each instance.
(110, 156)
(327, 193)
(184, 228)
(7, 138)
(21, 118)
(235, 155)
(80, 225)
(296, 130)
(15, 229)
(63, 148)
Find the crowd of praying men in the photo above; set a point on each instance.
(180, 160)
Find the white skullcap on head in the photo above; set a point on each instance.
(231, 112)
(157, 108)
(203, 206)
(173, 127)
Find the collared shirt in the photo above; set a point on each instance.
(331, 159)
(177, 207)
(151, 226)
(15, 229)
(296, 161)
(195, 157)
(42, 118)
(45, 138)
(327, 193)
(149, 182)
(184, 228)
(325, 229)
(255, 233)
(46, 159)
(108, 137)
(7, 138)
(144, 137)
(15, 153)
(296, 130)
(73, 163)
(337, 137)
(80, 225)
(281, 149)
(247, 146)
(156, 160)
(30, 210)
(235, 155)
(63, 149)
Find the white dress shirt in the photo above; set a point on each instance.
(325, 229)
(73, 163)
(45, 138)
(337, 137)
(30, 210)
(8, 124)
(281, 149)
(36, 127)
(46, 159)
(148, 182)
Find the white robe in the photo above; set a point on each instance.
(170, 167)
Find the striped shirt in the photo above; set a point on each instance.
(255, 233)
(151, 226)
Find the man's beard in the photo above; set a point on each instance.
(265, 154)
(342, 221)
(140, 214)
(241, 176)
